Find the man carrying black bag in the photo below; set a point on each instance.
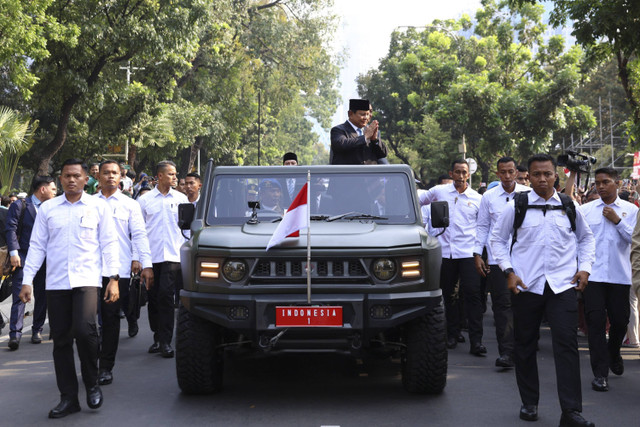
(135, 257)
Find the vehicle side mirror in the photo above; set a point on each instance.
(439, 214)
(186, 212)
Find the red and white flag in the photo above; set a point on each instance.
(296, 219)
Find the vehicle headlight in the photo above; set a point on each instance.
(234, 270)
(384, 268)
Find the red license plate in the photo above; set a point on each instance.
(300, 316)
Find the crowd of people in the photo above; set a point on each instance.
(543, 254)
(54, 249)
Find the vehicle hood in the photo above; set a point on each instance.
(347, 234)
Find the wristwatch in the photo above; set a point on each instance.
(477, 254)
(507, 272)
(115, 277)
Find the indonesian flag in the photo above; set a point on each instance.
(296, 219)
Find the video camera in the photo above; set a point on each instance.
(576, 162)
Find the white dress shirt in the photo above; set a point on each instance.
(493, 202)
(458, 239)
(546, 249)
(160, 213)
(131, 229)
(75, 238)
(613, 242)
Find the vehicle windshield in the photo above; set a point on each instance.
(383, 198)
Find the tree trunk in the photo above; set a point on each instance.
(133, 153)
(194, 151)
(44, 158)
(59, 138)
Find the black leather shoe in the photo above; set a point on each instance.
(94, 397)
(64, 408)
(460, 338)
(105, 377)
(36, 338)
(155, 348)
(167, 351)
(478, 349)
(452, 343)
(133, 329)
(505, 361)
(574, 419)
(600, 384)
(14, 343)
(617, 365)
(529, 412)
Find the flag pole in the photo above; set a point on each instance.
(308, 237)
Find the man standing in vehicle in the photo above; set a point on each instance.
(355, 143)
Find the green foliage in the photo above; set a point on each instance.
(16, 134)
(607, 29)
(503, 88)
(197, 67)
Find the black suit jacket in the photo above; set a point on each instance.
(21, 242)
(3, 219)
(347, 148)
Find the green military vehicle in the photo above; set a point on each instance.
(373, 270)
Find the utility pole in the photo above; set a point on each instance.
(128, 69)
(611, 128)
(259, 124)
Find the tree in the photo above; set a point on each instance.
(16, 134)
(155, 31)
(504, 89)
(25, 29)
(607, 29)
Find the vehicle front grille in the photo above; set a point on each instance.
(320, 269)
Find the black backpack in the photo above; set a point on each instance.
(521, 203)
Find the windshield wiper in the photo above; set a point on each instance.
(313, 218)
(354, 215)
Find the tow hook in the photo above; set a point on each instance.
(356, 342)
(267, 343)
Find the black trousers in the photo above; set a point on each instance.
(110, 314)
(161, 300)
(502, 314)
(602, 300)
(72, 315)
(465, 270)
(562, 313)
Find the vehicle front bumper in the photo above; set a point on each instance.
(359, 322)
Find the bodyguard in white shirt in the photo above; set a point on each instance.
(160, 212)
(135, 257)
(75, 232)
(457, 255)
(549, 263)
(494, 201)
(612, 221)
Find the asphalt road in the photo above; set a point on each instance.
(303, 390)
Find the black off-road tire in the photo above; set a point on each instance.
(199, 361)
(424, 361)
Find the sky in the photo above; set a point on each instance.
(365, 30)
